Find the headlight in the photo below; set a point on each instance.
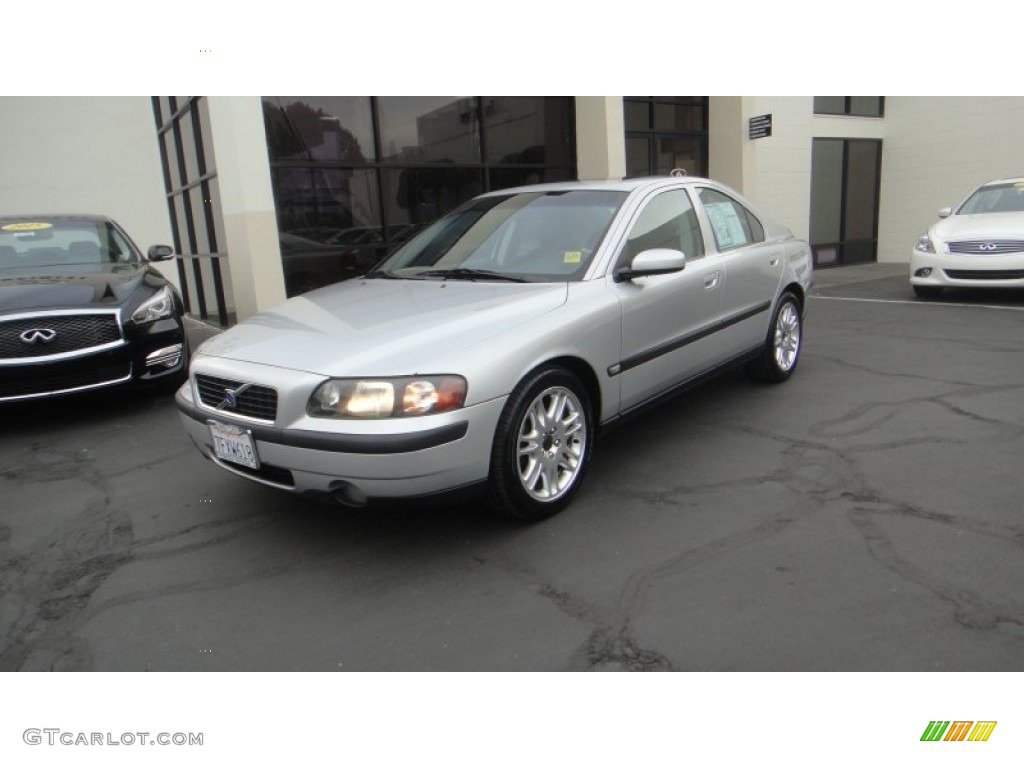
(924, 244)
(387, 398)
(160, 304)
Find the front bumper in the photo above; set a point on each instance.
(144, 354)
(954, 270)
(385, 459)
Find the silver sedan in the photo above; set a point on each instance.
(489, 351)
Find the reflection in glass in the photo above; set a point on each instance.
(676, 117)
(638, 156)
(319, 128)
(428, 129)
(527, 129)
(420, 195)
(503, 178)
(637, 115)
(679, 153)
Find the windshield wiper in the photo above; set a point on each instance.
(462, 273)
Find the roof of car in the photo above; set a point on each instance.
(622, 185)
(49, 216)
(1015, 180)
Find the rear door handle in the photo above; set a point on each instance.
(711, 279)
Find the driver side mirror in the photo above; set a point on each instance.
(945, 212)
(656, 261)
(160, 252)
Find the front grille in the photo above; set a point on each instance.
(40, 379)
(986, 247)
(256, 401)
(72, 333)
(985, 274)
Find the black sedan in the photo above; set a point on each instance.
(82, 309)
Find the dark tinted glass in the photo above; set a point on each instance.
(829, 105)
(638, 156)
(321, 205)
(527, 129)
(319, 128)
(677, 117)
(826, 190)
(861, 184)
(502, 178)
(637, 115)
(679, 153)
(429, 129)
(866, 106)
(420, 195)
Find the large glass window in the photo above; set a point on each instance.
(191, 185)
(664, 133)
(356, 176)
(857, 106)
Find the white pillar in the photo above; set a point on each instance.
(600, 138)
(247, 202)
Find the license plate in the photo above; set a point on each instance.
(233, 444)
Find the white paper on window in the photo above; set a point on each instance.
(726, 223)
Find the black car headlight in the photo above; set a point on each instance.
(157, 306)
(387, 398)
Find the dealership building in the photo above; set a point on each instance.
(267, 197)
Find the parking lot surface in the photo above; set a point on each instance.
(865, 515)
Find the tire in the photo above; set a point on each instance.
(781, 351)
(542, 445)
(928, 291)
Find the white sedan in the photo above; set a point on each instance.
(980, 244)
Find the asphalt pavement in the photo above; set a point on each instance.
(865, 515)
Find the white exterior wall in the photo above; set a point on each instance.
(936, 150)
(85, 155)
(600, 138)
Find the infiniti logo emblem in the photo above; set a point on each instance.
(987, 247)
(38, 335)
(231, 397)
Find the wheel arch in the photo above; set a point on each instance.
(586, 374)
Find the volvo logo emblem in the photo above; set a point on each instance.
(38, 335)
(231, 397)
(987, 247)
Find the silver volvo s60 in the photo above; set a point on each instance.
(490, 350)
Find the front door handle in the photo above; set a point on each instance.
(711, 279)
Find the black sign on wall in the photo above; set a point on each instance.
(760, 126)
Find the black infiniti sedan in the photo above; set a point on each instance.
(81, 309)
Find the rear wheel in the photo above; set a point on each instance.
(928, 291)
(542, 445)
(781, 350)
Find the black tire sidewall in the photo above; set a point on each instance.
(505, 489)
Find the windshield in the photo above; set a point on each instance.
(996, 198)
(532, 236)
(59, 242)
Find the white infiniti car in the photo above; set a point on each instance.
(979, 244)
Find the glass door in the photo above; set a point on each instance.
(845, 178)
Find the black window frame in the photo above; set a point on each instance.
(651, 134)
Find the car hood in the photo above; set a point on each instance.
(979, 226)
(383, 327)
(72, 285)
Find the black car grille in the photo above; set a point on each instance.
(42, 379)
(70, 333)
(256, 401)
(985, 274)
(986, 247)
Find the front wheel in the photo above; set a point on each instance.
(781, 351)
(542, 445)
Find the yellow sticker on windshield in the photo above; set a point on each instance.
(25, 226)
(1019, 184)
(573, 257)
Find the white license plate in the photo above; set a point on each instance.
(234, 444)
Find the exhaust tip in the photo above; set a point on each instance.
(347, 494)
